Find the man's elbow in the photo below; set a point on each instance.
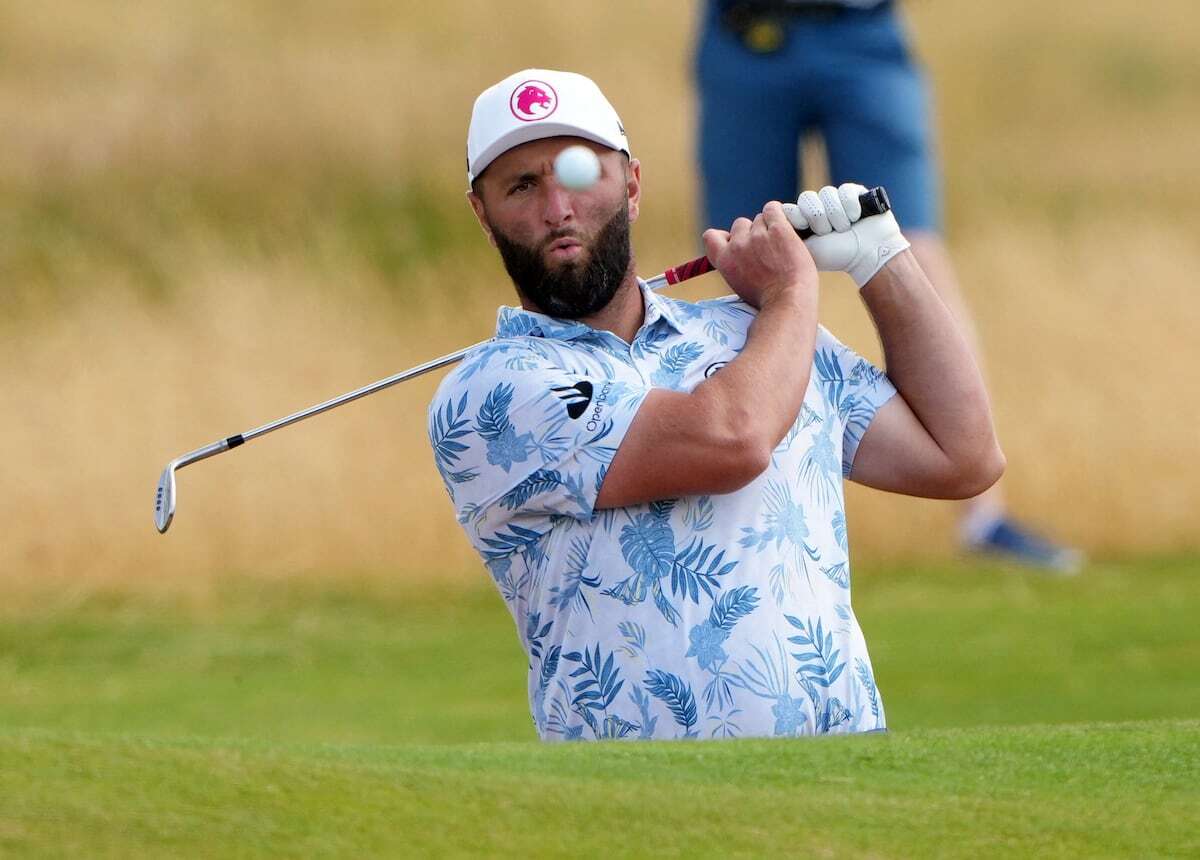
(976, 474)
(736, 464)
(755, 460)
(736, 450)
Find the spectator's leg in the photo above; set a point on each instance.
(878, 131)
(748, 127)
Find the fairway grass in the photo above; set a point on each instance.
(352, 716)
(359, 661)
(1099, 790)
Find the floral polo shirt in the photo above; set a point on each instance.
(704, 616)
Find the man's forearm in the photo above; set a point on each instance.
(719, 437)
(760, 392)
(929, 360)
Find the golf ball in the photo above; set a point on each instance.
(577, 168)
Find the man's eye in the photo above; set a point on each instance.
(520, 187)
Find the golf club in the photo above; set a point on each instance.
(874, 202)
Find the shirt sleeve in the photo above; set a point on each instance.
(853, 388)
(520, 435)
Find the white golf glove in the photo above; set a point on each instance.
(840, 241)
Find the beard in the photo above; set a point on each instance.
(573, 290)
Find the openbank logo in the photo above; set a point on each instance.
(577, 397)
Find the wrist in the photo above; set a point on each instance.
(899, 268)
(796, 296)
(876, 255)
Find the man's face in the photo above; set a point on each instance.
(566, 251)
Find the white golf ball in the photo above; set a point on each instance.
(577, 168)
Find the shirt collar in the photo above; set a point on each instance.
(660, 307)
(518, 322)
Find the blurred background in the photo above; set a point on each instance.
(214, 214)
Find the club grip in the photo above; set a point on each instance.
(874, 201)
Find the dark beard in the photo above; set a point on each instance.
(573, 291)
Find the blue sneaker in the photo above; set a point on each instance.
(1010, 541)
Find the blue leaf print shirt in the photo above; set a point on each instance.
(709, 616)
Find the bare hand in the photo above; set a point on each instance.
(763, 259)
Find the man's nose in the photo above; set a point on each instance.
(558, 208)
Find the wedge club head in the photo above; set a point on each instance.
(164, 498)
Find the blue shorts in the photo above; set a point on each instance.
(848, 77)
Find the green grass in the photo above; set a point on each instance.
(1095, 791)
(313, 662)
(960, 646)
(366, 663)
(1029, 716)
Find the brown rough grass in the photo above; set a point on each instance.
(175, 267)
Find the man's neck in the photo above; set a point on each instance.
(622, 316)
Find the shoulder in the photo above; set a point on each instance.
(521, 370)
(832, 358)
(718, 322)
(726, 306)
(501, 358)
(851, 384)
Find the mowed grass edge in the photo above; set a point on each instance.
(1065, 791)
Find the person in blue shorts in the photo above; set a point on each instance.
(770, 72)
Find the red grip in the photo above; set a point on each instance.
(690, 269)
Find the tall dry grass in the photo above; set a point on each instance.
(213, 215)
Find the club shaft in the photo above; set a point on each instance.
(655, 283)
(365, 391)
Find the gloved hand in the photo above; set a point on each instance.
(841, 242)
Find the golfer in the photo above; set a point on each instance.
(656, 486)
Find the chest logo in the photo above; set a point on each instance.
(577, 397)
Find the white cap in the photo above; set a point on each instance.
(534, 104)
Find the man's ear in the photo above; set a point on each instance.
(481, 216)
(633, 188)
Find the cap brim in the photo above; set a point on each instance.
(537, 131)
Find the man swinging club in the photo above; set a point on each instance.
(656, 485)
